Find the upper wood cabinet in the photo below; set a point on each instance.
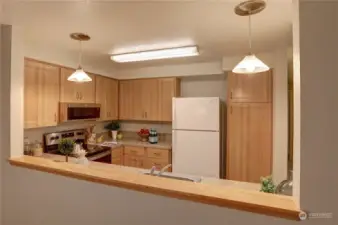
(250, 87)
(126, 100)
(249, 146)
(72, 92)
(168, 88)
(140, 97)
(41, 94)
(147, 99)
(107, 96)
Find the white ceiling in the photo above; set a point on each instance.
(125, 26)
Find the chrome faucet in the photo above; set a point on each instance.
(164, 169)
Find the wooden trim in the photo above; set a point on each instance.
(240, 199)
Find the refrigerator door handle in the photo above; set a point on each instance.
(174, 113)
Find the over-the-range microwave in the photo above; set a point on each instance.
(79, 111)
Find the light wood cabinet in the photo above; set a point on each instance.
(146, 158)
(41, 94)
(168, 88)
(133, 161)
(147, 99)
(107, 97)
(73, 92)
(150, 101)
(117, 156)
(250, 87)
(126, 100)
(249, 150)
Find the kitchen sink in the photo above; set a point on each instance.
(196, 180)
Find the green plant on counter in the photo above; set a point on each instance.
(66, 146)
(113, 125)
(267, 185)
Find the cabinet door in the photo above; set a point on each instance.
(158, 163)
(112, 98)
(41, 94)
(49, 85)
(133, 161)
(100, 96)
(31, 93)
(168, 88)
(138, 104)
(249, 151)
(73, 92)
(150, 99)
(250, 87)
(126, 100)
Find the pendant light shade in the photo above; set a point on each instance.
(79, 75)
(250, 64)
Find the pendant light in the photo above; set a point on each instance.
(250, 64)
(79, 75)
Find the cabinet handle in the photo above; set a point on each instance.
(231, 95)
(230, 109)
(55, 117)
(146, 114)
(157, 154)
(77, 95)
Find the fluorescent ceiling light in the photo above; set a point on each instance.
(156, 54)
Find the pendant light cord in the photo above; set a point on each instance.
(250, 34)
(80, 55)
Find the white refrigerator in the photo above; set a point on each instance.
(197, 142)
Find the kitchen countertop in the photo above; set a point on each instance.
(229, 194)
(137, 143)
(205, 180)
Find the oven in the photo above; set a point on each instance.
(103, 156)
(79, 111)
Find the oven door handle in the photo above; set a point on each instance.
(100, 155)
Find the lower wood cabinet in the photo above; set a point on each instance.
(117, 156)
(145, 158)
(133, 161)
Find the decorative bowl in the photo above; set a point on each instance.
(144, 137)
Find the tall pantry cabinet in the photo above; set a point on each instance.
(249, 126)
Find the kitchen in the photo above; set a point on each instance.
(145, 101)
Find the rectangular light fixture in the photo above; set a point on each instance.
(156, 54)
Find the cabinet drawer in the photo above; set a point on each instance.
(116, 152)
(133, 161)
(134, 151)
(158, 153)
(116, 161)
(159, 163)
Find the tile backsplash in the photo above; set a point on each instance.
(37, 133)
(134, 126)
(129, 128)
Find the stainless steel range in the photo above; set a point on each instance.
(94, 152)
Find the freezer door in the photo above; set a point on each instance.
(196, 153)
(196, 114)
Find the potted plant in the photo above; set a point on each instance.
(66, 146)
(267, 185)
(113, 127)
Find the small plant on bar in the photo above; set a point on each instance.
(66, 146)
